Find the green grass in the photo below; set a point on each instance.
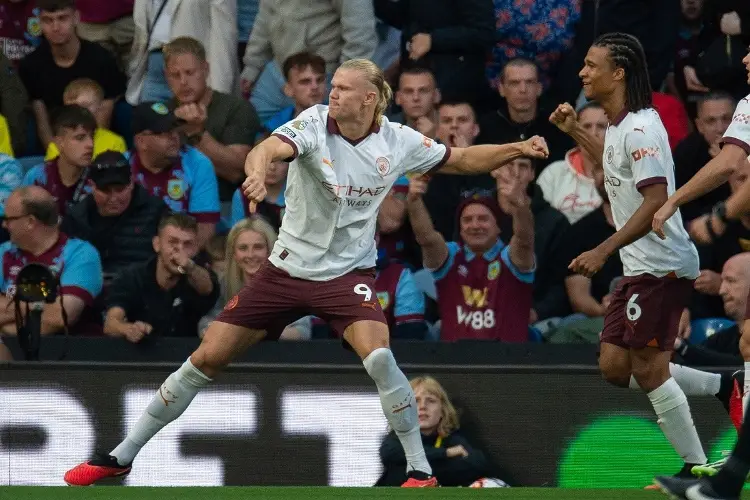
(314, 493)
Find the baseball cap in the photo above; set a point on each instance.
(110, 168)
(155, 117)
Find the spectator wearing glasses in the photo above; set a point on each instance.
(183, 177)
(120, 217)
(168, 294)
(31, 218)
(65, 176)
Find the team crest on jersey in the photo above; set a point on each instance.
(385, 300)
(493, 271)
(610, 154)
(384, 166)
(159, 108)
(463, 271)
(299, 124)
(426, 142)
(175, 189)
(33, 26)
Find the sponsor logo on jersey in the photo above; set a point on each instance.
(353, 191)
(641, 153)
(426, 142)
(743, 118)
(288, 131)
(474, 297)
(463, 271)
(636, 129)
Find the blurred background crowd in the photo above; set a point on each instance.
(125, 125)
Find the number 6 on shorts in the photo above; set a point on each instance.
(633, 310)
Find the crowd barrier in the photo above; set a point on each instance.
(321, 424)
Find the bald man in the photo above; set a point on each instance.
(31, 219)
(723, 347)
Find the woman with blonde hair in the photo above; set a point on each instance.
(248, 245)
(453, 460)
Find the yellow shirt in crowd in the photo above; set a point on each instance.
(104, 140)
(5, 145)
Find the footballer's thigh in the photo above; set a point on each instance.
(614, 353)
(351, 307)
(221, 343)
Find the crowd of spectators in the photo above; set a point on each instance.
(124, 126)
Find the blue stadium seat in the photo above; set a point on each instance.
(701, 329)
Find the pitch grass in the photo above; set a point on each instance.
(317, 493)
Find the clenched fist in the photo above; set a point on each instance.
(564, 118)
(535, 147)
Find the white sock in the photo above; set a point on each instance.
(692, 382)
(399, 406)
(170, 401)
(746, 390)
(676, 422)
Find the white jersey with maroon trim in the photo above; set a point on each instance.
(636, 155)
(334, 190)
(738, 132)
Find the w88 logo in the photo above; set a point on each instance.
(477, 320)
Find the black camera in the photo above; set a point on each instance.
(36, 285)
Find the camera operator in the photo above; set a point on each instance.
(31, 218)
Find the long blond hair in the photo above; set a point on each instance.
(375, 76)
(234, 277)
(449, 420)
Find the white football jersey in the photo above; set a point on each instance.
(334, 190)
(738, 132)
(637, 154)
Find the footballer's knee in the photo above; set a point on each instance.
(615, 373)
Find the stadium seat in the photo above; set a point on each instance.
(701, 329)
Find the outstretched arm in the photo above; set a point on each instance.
(486, 158)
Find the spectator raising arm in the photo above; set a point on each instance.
(434, 248)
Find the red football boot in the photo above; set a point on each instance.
(419, 479)
(101, 467)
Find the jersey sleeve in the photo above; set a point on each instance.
(81, 271)
(301, 133)
(238, 207)
(421, 154)
(442, 271)
(738, 132)
(35, 175)
(4, 283)
(204, 191)
(524, 277)
(10, 179)
(410, 303)
(647, 160)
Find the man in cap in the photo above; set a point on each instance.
(181, 176)
(120, 218)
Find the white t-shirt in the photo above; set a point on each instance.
(567, 188)
(334, 190)
(738, 132)
(162, 28)
(637, 154)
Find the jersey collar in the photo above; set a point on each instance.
(620, 116)
(333, 129)
(489, 255)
